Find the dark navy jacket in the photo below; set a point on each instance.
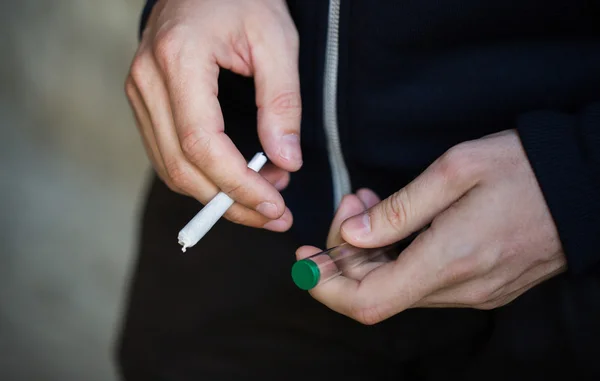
(416, 77)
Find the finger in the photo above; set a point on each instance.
(306, 251)
(385, 290)
(144, 126)
(350, 206)
(190, 70)
(420, 270)
(415, 205)
(368, 197)
(280, 178)
(281, 224)
(180, 172)
(277, 83)
(361, 271)
(356, 272)
(345, 296)
(154, 94)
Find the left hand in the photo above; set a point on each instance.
(491, 238)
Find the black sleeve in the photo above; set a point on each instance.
(564, 151)
(146, 14)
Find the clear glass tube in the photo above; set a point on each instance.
(319, 268)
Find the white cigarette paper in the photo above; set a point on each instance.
(208, 216)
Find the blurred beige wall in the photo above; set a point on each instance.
(72, 171)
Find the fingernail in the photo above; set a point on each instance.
(358, 227)
(276, 225)
(267, 209)
(290, 148)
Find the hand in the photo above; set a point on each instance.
(172, 88)
(351, 205)
(491, 237)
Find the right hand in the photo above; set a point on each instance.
(172, 88)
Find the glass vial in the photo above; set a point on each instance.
(319, 268)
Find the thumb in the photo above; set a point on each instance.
(275, 62)
(414, 206)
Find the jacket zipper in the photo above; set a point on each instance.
(339, 171)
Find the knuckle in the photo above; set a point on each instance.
(139, 69)
(241, 215)
(287, 103)
(239, 189)
(172, 187)
(178, 173)
(167, 46)
(367, 315)
(458, 272)
(458, 164)
(396, 209)
(196, 146)
(130, 87)
(365, 312)
(237, 216)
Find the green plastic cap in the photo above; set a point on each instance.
(306, 274)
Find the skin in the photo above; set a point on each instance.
(491, 238)
(172, 88)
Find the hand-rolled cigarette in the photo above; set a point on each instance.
(210, 214)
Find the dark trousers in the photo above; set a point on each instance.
(228, 310)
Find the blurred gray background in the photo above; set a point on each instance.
(72, 171)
